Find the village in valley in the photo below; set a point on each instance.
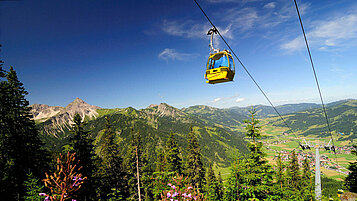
(331, 165)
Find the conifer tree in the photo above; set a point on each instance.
(20, 145)
(280, 172)
(259, 176)
(113, 174)
(220, 186)
(280, 187)
(293, 178)
(293, 172)
(83, 147)
(194, 169)
(253, 175)
(212, 188)
(235, 181)
(161, 176)
(137, 168)
(351, 179)
(33, 188)
(172, 155)
(307, 183)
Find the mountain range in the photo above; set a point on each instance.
(220, 131)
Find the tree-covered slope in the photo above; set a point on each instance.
(155, 124)
(342, 116)
(264, 111)
(233, 117)
(216, 117)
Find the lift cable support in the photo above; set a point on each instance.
(306, 145)
(246, 70)
(317, 147)
(316, 80)
(211, 32)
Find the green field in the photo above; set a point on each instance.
(276, 134)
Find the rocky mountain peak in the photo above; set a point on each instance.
(58, 116)
(164, 109)
(43, 112)
(79, 104)
(152, 105)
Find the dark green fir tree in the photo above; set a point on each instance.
(259, 176)
(138, 170)
(194, 168)
(33, 188)
(307, 182)
(20, 144)
(252, 176)
(113, 184)
(351, 179)
(83, 146)
(213, 188)
(173, 156)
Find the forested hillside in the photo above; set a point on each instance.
(342, 116)
(155, 123)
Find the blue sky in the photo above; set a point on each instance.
(136, 53)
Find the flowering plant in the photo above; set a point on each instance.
(65, 180)
(179, 192)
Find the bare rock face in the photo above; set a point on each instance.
(166, 110)
(43, 112)
(82, 108)
(56, 118)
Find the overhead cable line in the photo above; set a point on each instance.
(315, 75)
(246, 70)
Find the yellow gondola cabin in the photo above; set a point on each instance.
(220, 68)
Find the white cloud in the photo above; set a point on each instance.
(341, 72)
(232, 1)
(249, 19)
(229, 99)
(332, 33)
(270, 5)
(295, 44)
(242, 18)
(191, 29)
(172, 54)
(217, 100)
(188, 29)
(240, 100)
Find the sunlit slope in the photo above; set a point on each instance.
(155, 124)
(216, 116)
(342, 117)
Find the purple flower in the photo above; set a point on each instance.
(173, 187)
(175, 194)
(47, 198)
(168, 194)
(42, 194)
(189, 195)
(75, 178)
(169, 184)
(74, 200)
(190, 187)
(184, 195)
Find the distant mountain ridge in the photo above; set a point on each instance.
(219, 131)
(342, 116)
(57, 118)
(155, 123)
(264, 111)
